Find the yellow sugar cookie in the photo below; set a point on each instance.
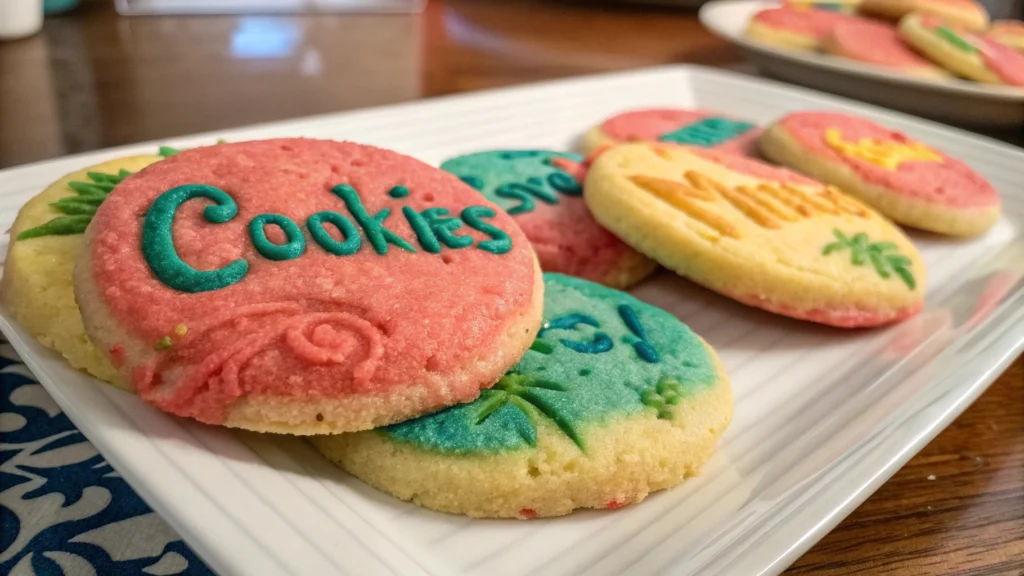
(46, 237)
(976, 57)
(762, 235)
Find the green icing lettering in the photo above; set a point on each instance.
(707, 132)
(881, 255)
(500, 242)
(373, 226)
(474, 182)
(525, 193)
(516, 179)
(424, 233)
(158, 242)
(291, 249)
(565, 184)
(570, 391)
(600, 342)
(398, 192)
(444, 227)
(351, 242)
(643, 348)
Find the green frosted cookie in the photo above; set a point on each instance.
(543, 191)
(614, 400)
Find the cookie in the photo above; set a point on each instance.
(46, 239)
(793, 29)
(840, 6)
(676, 126)
(305, 286)
(972, 56)
(1009, 32)
(903, 179)
(543, 191)
(965, 14)
(876, 42)
(614, 400)
(762, 235)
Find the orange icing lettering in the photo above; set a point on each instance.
(888, 155)
(768, 205)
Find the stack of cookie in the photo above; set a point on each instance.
(924, 38)
(396, 313)
(386, 307)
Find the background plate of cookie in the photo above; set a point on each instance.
(947, 98)
(823, 416)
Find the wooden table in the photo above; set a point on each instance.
(93, 80)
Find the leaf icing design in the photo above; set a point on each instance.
(525, 393)
(77, 211)
(882, 256)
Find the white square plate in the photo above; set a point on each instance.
(823, 416)
(951, 99)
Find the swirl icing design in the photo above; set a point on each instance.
(601, 354)
(301, 269)
(312, 336)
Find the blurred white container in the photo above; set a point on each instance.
(20, 18)
(206, 7)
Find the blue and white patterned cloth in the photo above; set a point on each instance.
(63, 510)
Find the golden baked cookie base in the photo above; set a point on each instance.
(37, 286)
(626, 459)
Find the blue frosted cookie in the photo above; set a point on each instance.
(614, 400)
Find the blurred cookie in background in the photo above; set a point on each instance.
(965, 13)
(876, 42)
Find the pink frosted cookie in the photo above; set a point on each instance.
(1009, 32)
(543, 191)
(973, 56)
(305, 286)
(675, 126)
(876, 42)
(793, 28)
(904, 179)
